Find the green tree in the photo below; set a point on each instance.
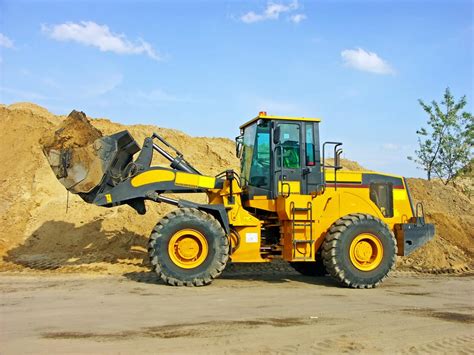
(445, 147)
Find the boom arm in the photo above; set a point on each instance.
(139, 181)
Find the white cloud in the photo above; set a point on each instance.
(5, 41)
(92, 34)
(273, 12)
(366, 61)
(297, 18)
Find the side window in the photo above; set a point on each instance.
(247, 153)
(310, 161)
(381, 193)
(260, 170)
(290, 145)
(263, 147)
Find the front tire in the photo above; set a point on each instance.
(188, 247)
(359, 251)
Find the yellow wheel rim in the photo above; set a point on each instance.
(188, 248)
(366, 252)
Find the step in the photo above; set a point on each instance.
(302, 224)
(302, 241)
(301, 209)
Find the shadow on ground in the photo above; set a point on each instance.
(57, 243)
(277, 272)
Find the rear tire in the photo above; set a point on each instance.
(359, 251)
(188, 247)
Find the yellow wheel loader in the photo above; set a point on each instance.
(287, 202)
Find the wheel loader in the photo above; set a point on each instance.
(289, 201)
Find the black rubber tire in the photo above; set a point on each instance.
(310, 268)
(209, 227)
(336, 246)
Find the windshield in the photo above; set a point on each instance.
(256, 156)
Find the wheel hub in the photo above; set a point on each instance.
(366, 252)
(363, 251)
(188, 248)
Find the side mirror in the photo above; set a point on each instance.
(238, 146)
(276, 135)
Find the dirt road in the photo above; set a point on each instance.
(284, 313)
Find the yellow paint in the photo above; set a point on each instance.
(295, 187)
(242, 222)
(248, 251)
(188, 248)
(399, 194)
(354, 176)
(280, 118)
(366, 252)
(151, 177)
(327, 207)
(351, 200)
(108, 198)
(195, 180)
(344, 176)
(267, 205)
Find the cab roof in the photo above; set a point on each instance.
(263, 115)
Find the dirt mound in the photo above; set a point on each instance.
(38, 231)
(347, 165)
(452, 212)
(33, 108)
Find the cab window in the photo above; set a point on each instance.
(260, 170)
(309, 145)
(290, 146)
(247, 152)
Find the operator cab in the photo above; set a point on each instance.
(279, 156)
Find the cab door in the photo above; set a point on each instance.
(311, 177)
(287, 158)
(297, 159)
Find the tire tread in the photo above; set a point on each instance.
(214, 270)
(333, 238)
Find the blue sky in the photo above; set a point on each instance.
(205, 67)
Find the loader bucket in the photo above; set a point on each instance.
(83, 168)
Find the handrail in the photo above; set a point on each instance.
(337, 153)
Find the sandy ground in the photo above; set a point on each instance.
(242, 312)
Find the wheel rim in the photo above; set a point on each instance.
(366, 252)
(188, 248)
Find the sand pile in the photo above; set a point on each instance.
(452, 212)
(37, 234)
